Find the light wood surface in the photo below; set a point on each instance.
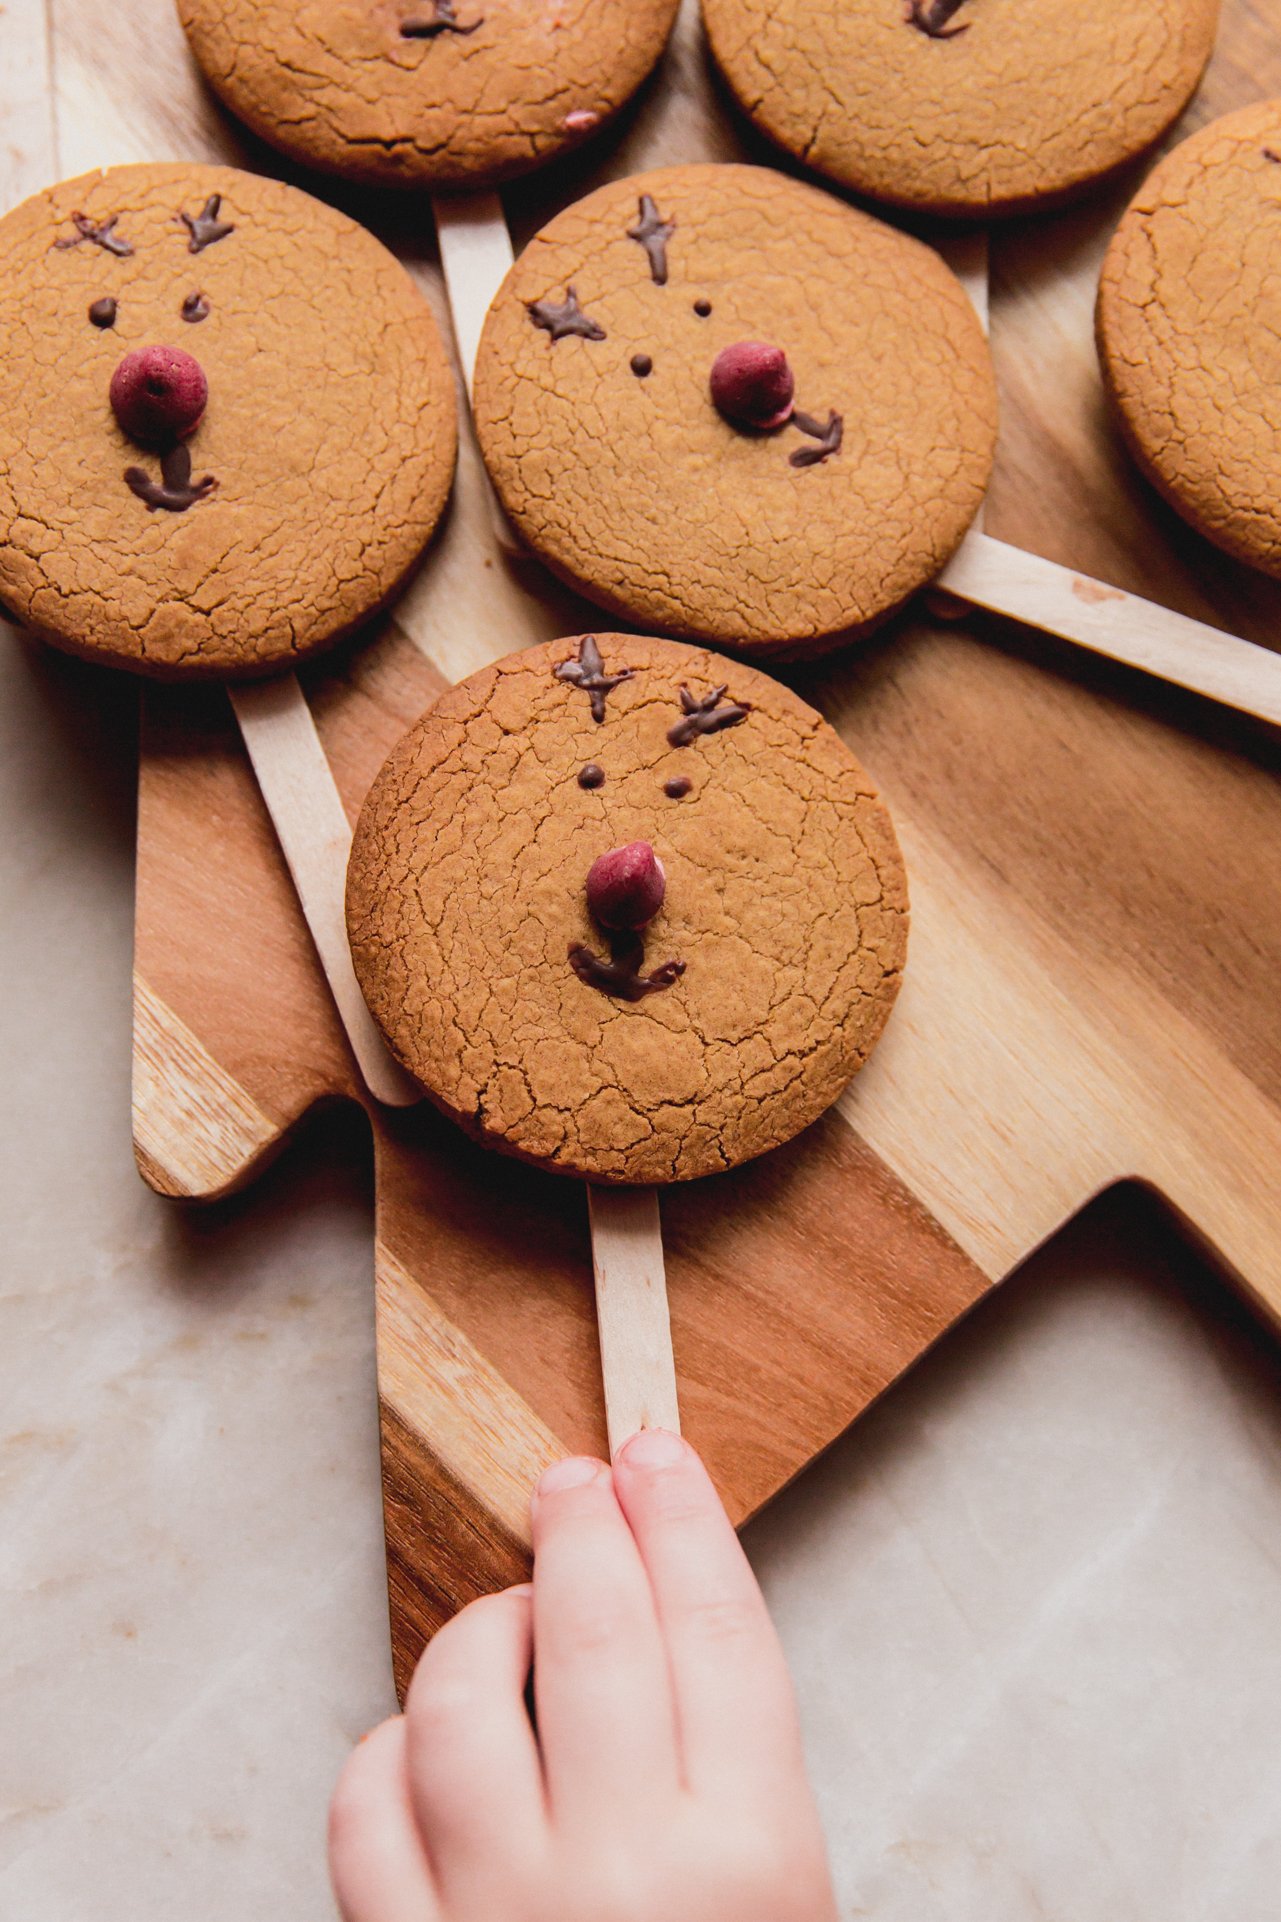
(1091, 991)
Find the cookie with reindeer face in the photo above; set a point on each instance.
(435, 93)
(227, 423)
(626, 909)
(1189, 331)
(726, 405)
(963, 107)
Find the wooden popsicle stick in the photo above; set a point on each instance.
(627, 1237)
(631, 1312)
(1005, 580)
(476, 255)
(968, 255)
(311, 824)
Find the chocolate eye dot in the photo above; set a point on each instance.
(678, 787)
(591, 776)
(195, 307)
(642, 366)
(702, 308)
(103, 312)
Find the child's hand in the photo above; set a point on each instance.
(665, 1782)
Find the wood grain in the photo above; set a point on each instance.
(1091, 992)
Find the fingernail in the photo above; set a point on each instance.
(576, 1471)
(654, 1448)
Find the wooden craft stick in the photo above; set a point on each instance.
(1058, 600)
(968, 255)
(311, 825)
(631, 1312)
(627, 1238)
(476, 255)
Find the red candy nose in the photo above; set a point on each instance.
(158, 394)
(752, 384)
(625, 887)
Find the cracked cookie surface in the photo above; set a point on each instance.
(615, 466)
(786, 900)
(328, 440)
(963, 107)
(426, 92)
(1189, 330)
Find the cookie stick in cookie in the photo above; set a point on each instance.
(633, 1322)
(768, 525)
(214, 523)
(633, 913)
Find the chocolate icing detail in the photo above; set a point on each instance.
(678, 787)
(642, 366)
(1270, 153)
(591, 776)
(205, 227)
(829, 436)
(621, 975)
(702, 308)
(653, 234)
(568, 318)
(103, 312)
(99, 233)
(705, 716)
(195, 307)
(588, 673)
(175, 491)
(443, 18)
(932, 17)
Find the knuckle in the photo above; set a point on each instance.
(599, 1629)
(724, 1622)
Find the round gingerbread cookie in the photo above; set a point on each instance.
(309, 486)
(963, 107)
(595, 411)
(1189, 331)
(627, 910)
(433, 93)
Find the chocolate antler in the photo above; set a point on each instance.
(442, 19)
(564, 318)
(205, 227)
(588, 672)
(705, 716)
(100, 233)
(932, 17)
(653, 234)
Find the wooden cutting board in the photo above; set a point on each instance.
(1092, 988)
